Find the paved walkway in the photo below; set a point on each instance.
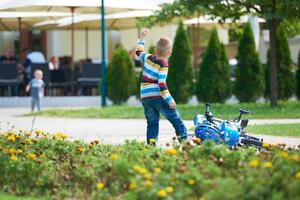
(113, 130)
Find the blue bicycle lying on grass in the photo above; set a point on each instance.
(231, 133)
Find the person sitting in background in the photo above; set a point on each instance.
(32, 57)
(8, 56)
(53, 63)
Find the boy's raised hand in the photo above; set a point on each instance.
(144, 33)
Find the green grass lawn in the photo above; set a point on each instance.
(258, 111)
(5, 196)
(292, 130)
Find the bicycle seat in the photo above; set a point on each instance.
(244, 111)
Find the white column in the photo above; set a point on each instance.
(255, 29)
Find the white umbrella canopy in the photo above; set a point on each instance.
(121, 20)
(83, 6)
(8, 19)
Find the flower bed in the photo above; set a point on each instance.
(39, 164)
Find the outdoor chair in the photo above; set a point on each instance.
(90, 76)
(9, 77)
(58, 81)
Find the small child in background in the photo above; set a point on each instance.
(36, 88)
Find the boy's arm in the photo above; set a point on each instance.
(140, 50)
(162, 82)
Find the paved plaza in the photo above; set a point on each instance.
(113, 131)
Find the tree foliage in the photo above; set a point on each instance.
(120, 77)
(180, 76)
(213, 84)
(249, 84)
(273, 11)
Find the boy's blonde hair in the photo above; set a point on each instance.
(38, 73)
(163, 45)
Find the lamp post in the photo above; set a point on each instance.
(103, 62)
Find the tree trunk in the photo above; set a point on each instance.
(273, 25)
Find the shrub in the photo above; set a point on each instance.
(120, 77)
(40, 164)
(180, 76)
(151, 49)
(213, 84)
(285, 75)
(298, 77)
(249, 73)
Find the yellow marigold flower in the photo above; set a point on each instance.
(136, 168)
(152, 141)
(283, 154)
(80, 149)
(274, 145)
(38, 131)
(191, 181)
(132, 186)
(171, 151)
(19, 151)
(28, 141)
(113, 156)
(267, 165)
(148, 183)
(12, 151)
(27, 134)
(31, 156)
(297, 175)
(147, 175)
(21, 131)
(100, 185)
(11, 138)
(197, 140)
(34, 140)
(161, 193)
(254, 163)
(63, 136)
(13, 158)
(294, 157)
(170, 189)
(157, 170)
(266, 145)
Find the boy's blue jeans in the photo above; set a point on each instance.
(153, 108)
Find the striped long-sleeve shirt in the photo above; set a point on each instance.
(155, 72)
